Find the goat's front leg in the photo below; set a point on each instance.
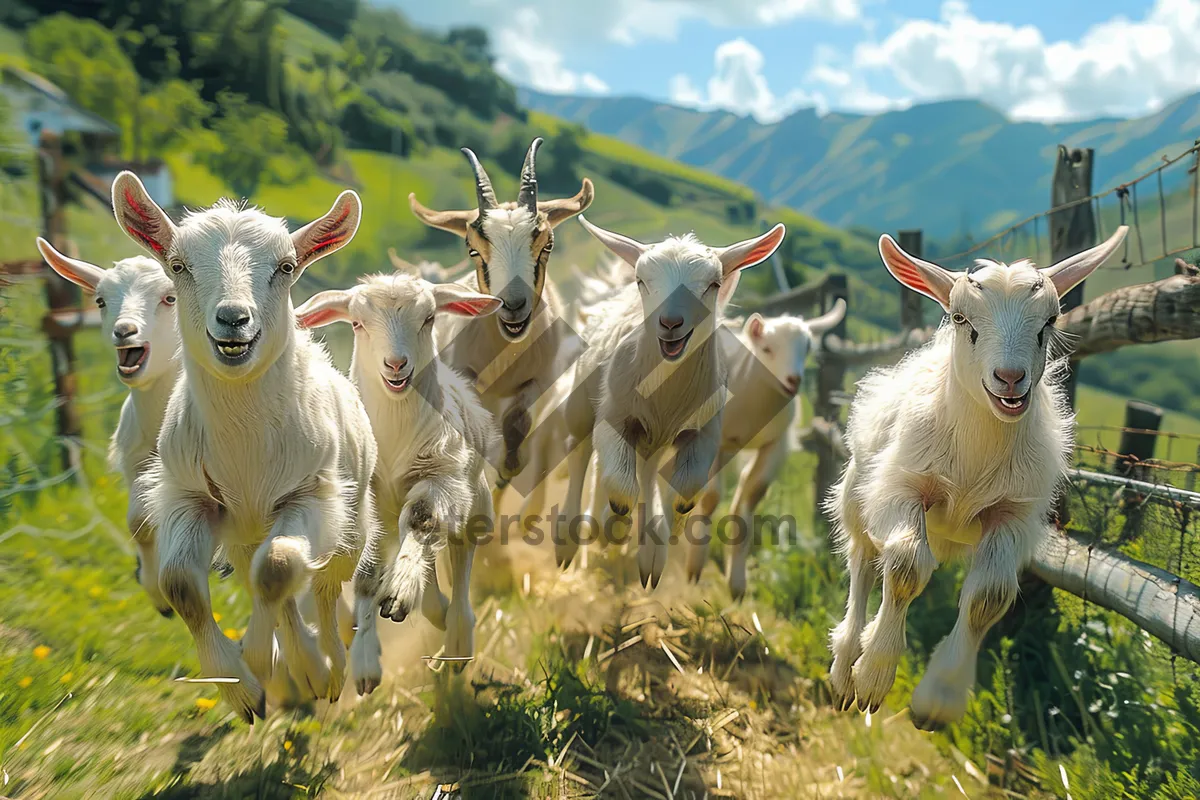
(515, 425)
(460, 618)
(566, 526)
(433, 506)
(279, 570)
(146, 541)
(706, 504)
(907, 565)
(366, 665)
(186, 545)
(753, 484)
(695, 453)
(987, 593)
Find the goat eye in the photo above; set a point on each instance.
(356, 325)
(1050, 322)
(169, 300)
(429, 320)
(100, 302)
(473, 253)
(958, 318)
(177, 266)
(287, 267)
(548, 247)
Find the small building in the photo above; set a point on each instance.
(41, 107)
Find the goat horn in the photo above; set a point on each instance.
(483, 184)
(527, 197)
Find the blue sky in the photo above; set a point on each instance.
(1034, 59)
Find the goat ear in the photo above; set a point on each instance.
(623, 247)
(455, 222)
(140, 217)
(1070, 272)
(923, 277)
(819, 325)
(755, 326)
(324, 308)
(561, 210)
(330, 233)
(80, 273)
(750, 252)
(457, 300)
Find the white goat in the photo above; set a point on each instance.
(766, 369)
(433, 434)
(515, 357)
(265, 446)
(956, 451)
(640, 390)
(137, 314)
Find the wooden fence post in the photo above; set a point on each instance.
(831, 376)
(1073, 229)
(1137, 447)
(910, 301)
(61, 296)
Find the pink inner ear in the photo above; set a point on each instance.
(335, 235)
(470, 308)
(760, 251)
(322, 316)
(139, 233)
(907, 274)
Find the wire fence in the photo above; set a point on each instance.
(1163, 223)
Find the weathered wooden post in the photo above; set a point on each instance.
(831, 375)
(1137, 446)
(1073, 228)
(910, 301)
(60, 296)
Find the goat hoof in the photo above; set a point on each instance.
(260, 710)
(393, 609)
(844, 703)
(167, 613)
(366, 685)
(684, 508)
(619, 509)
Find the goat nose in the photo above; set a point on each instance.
(396, 364)
(1010, 377)
(793, 382)
(515, 304)
(123, 330)
(233, 316)
(670, 323)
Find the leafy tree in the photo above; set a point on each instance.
(169, 113)
(473, 42)
(250, 146)
(85, 59)
(332, 16)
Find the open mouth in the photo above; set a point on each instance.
(515, 329)
(233, 352)
(130, 360)
(672, 349)
(397, 384)
(1009, 406)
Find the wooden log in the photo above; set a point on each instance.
(831, 375)
(1158, 602)
(890, 349)
(1148, 312)
(800, 300)
(1136, 446)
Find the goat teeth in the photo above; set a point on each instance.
(233, 350)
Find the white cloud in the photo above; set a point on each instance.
(534, 40)
(738, 85)
(1120, 67)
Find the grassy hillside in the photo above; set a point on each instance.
(948, 167)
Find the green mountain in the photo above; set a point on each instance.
(949, 168)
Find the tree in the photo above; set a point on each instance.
(473, 42)
(85, 59)
(169, 113)
(251, 146)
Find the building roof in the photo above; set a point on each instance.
(79, 119)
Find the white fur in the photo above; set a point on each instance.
(271, 456)
(429, 479)
(766, 363)
(928, 443)
(681, 285)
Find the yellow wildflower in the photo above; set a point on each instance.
(231, 633)
(67, 678)
(216, 617)
(25, 682)
(41, 651)
(206, 703)
(287, 745)
(95, 591)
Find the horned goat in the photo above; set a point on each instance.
(265, 447)
(516, 355)
(640, 389)
(955, 452)
(433, 435)
(766, 368)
